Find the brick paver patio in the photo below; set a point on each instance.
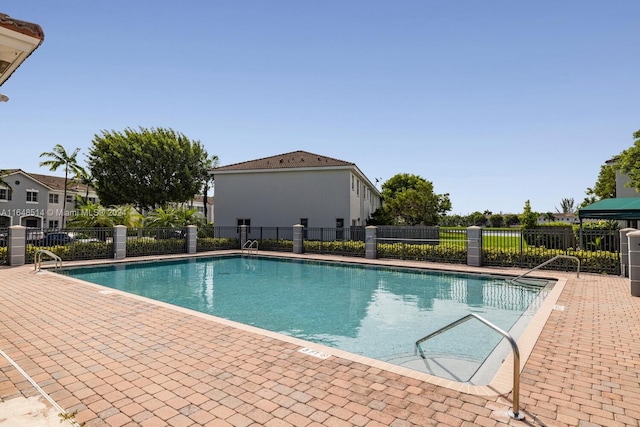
(120, 360)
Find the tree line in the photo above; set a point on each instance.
(149, 170)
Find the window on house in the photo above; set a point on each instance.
(244, 221)
(53, 198)
(358, 188)
(352, 181)
(69, 198)
(32, 196)
(5, 194)
(92, 199)
(54, 224)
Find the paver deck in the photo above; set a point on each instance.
(120, 360)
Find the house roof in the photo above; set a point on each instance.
(18, 40)
(618, 208)
(294, 159)
(55, 183)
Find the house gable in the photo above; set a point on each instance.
(284, 189)
(292, 160)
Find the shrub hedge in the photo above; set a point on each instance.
(75, 251)
(204, 244)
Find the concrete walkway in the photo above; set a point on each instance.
(120, 360)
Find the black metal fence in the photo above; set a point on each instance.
(212, 238)
(348, 241)
(598, 250)
(272, 238)
(70, 243)
(156, 241)
(4, 235)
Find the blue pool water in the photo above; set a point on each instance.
(373, 311)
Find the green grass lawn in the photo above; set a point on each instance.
(503, 238)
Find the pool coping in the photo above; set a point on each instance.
(502, 382)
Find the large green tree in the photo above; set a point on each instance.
(605, 187)
(629, 162)
(59, 158)
(529, 218)
(410, 200)
(148, 168)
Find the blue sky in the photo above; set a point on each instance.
(495, 102)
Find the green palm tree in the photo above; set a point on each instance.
(212, 163)
(163, 218)
(567, 206)
(83, 176)
(57, 158)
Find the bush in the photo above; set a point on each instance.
(276, 245)
(593, 262)
(216, 243)
(423, 252)
(551, 236)
(149, 246)
(346, 247)
(74, 251)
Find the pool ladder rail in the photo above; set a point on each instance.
(515, 411)
(251, 247)
(576, 259)
(57, 261)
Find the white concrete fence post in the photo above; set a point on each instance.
(634, 262)
(17, 245)
(192, 239)
(243, 235)
(371, 242)
(474, 246)
(624, 251)
(298, 239)
(119, 242)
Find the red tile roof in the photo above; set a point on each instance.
(295, 159)
(53, 182)
(22, 27)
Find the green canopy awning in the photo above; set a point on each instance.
(620, 208)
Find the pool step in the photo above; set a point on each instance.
(444, 366)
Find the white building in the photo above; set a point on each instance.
(35, 200)
(294, 188)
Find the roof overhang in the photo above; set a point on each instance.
(18, 40)
(622, 208)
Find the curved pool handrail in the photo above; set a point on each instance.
(515, 412)
(251, 246)
(547, 262)
(37, 264)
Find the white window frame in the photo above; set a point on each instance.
(31, 192)
(7, 193)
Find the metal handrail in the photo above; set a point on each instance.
(251, 246)
(515, 412)
(547, 262)
(38, 259)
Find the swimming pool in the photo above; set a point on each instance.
(377, 312)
